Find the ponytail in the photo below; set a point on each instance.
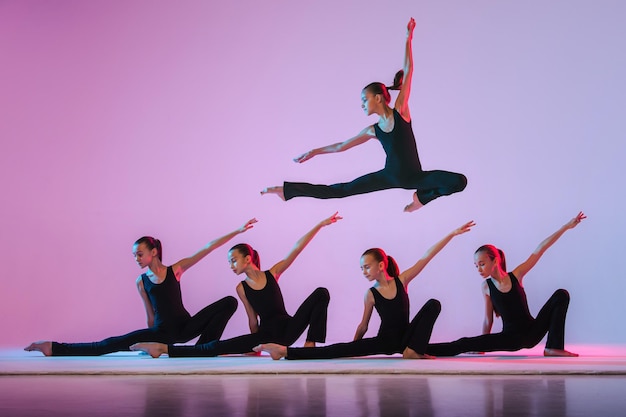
(397, 81)
(392, 267)
(151, 243)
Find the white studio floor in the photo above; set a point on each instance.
(500, 384)
(594, 360)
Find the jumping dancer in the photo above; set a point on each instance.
(402, 166)
(505, 296)
(389, 297)
(265, 307)
(159, 288)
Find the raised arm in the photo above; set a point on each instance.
(402, 101)
(146, 302)
(363, 136)
(532, 260)
(186, 263)
(281, 266)
(367, 314)
(413, 271)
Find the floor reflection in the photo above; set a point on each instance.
(314, 395)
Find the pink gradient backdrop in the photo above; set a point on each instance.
(125, 118)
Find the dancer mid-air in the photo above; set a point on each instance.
(402, 166)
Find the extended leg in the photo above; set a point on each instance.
(368, 183)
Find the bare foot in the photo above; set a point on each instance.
(558, 352)
(151, 348)
(44, 347)
(414, 205)
(411, 354)
(252, 354)
(309, 344)
(274, 190)
(276, 351)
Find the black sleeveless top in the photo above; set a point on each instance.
(394, 313)
(512, 306)
(167, 302)
(267, 302)
(400, 147)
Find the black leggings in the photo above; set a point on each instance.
(416, 337)
(312, 313)
(209, 323)
(551, 320)
(429, 185)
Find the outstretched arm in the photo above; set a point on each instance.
(186, 263)
(413, 271)
(281, 266)
(363, 136)
(532, 260)
(367, 314)
(402, 101)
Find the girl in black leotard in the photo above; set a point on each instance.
(402, 166)
(389, 297)
(168, 320)
(265, 307)
(504, 295)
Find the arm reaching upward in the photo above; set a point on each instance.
(363, 136)
(186, 263)
(413, 271)
(532, 260)
(281, 266)
(402, 101)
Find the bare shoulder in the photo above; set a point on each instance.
(485, 287)
(139, 282)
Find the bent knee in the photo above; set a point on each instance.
(434, 305)
(561, 295)
(322, 293)
(230, 302)
(462, 182)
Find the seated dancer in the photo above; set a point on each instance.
(505, 296)
(265, 307)
(389, 297)
(168, 320)
(402, 166)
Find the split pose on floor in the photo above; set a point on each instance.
(389, 297)
(504, 295)
(265, 307)
(168, 320)
(395, 133)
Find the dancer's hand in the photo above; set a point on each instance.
(464, 229)
(305, 156)
(248, 225)
(409, 27)
(576, 220)
(332, 219)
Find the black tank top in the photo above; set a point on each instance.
(166, 300)
(400, 147)
(394, 313)
(267, 302)
(512, 305)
